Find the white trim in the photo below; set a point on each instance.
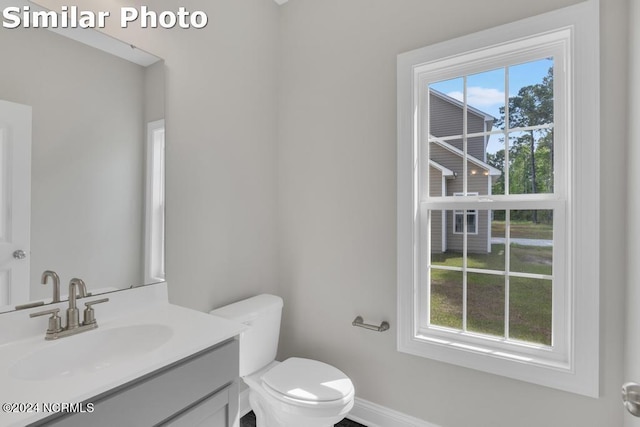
(15, 199)
(97, 39)
(374, 415)
(154, 250)
(363, 412)
(574, 30)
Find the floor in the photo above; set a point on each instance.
(249, 420)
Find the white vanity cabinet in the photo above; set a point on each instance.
(197, 391)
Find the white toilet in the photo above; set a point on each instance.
(294, 393)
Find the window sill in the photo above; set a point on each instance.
(544, 372)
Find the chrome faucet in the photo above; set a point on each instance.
(56, 283)
(77, 289)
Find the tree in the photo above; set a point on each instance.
(531, 152)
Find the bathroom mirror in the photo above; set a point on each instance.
(97, 159)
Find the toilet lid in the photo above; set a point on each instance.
(308, 380)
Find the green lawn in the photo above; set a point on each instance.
(529, 299)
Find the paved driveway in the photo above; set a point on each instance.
(524, 242)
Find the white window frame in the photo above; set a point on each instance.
(154, 270)
(572, 365)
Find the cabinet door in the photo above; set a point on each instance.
(215, 411)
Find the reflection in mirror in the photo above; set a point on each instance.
(97, 178)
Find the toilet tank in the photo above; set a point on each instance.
(259, 343)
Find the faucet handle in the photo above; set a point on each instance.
(55, 323)
(88, 304)
(89, 314)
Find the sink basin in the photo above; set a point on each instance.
(91, 351)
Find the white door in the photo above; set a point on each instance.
(15, 201)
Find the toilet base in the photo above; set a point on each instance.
(268, 417)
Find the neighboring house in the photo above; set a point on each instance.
(446, 168)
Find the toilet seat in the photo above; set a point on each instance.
(306, 381)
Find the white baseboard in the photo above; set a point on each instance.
(374, 415)
(363, 412)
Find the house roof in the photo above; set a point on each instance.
(486, 117)
(492, 171)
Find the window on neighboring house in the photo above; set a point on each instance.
(472, 219)
(155, 206)
(498, 131)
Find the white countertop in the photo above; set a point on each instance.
(193, 331)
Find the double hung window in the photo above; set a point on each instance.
(498, 134)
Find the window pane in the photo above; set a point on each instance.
(530, 163)
(458, 222)
(496, 158)
(446, 298)
(472, 222)
(485, 98)
(445, 134)
(446, 172)
(531, 241)
(446, 247)
(438, 236)
(531, 93)
(485, 304)
(439, 174)
(445, 109)
(497, 240)
(530, 310)
(531, 158)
